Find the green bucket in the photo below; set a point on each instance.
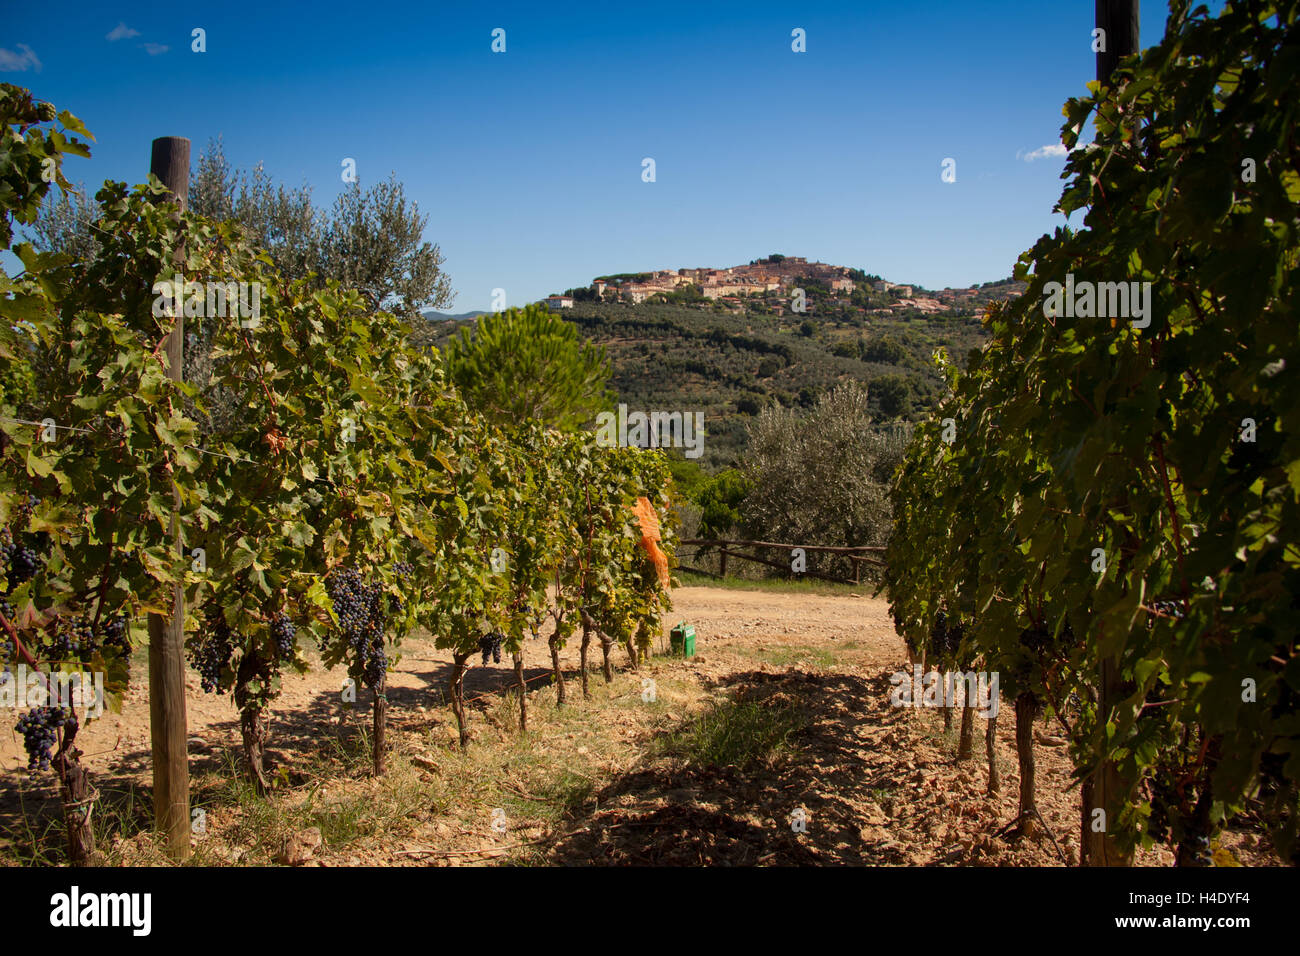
(682, 639)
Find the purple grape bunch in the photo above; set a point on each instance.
(40, 730)
(360, 610)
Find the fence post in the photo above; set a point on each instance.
(167, 720)
(1119, 18)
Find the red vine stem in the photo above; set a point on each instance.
(18, 644)
(1158, 703)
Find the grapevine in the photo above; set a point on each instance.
(318, 444)
(1101, 510)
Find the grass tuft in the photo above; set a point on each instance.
(736, 734)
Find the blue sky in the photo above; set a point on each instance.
(529, 162)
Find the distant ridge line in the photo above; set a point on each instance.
(442, 316)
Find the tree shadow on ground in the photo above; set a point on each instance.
(677, 811)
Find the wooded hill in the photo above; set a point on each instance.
(729, 363)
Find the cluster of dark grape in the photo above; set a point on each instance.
(115, 634)
(21, 562)
(71, 639)
(76, 638)
(212, 652)
(25, 509)
(1199, 845)
(490, 646)
(956, 632)
(360, 610)
(20, 554)
(945, 636)
(40, 728)
(939, 632)
(283, 631)
(1172, 609)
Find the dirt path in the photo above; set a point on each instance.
(876, 784)
(872, 783)
(119, 743)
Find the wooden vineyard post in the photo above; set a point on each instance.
(167, 720)
(1119, 20)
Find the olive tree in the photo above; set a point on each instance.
(821, 476)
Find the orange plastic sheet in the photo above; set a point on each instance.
(649, 522)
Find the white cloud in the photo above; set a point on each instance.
(11, 62)
(121, 32)
(1056, 151)
(153, 49)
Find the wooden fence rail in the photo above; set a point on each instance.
(726, 547)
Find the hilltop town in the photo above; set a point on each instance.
(768, 285)
(759, 278)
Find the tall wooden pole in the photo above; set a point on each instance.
(1119, 18)
(167, 719)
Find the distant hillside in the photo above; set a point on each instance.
(443, 316)
(729, 359)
